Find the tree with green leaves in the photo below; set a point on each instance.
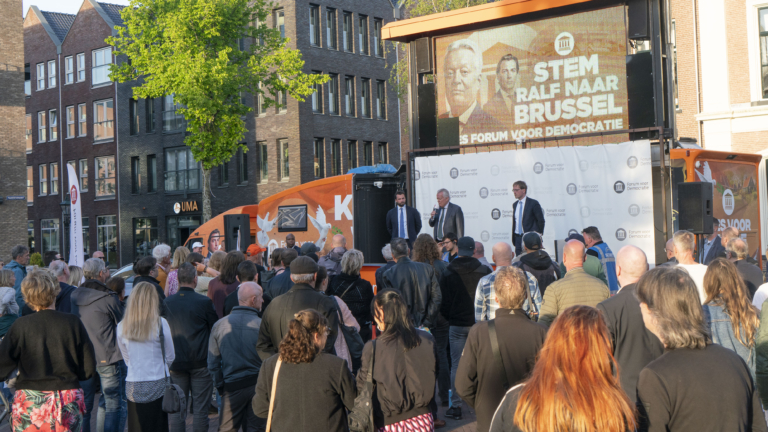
(191, 49)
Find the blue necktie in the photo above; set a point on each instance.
(402, 223)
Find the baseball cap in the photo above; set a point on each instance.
(197, 244)
(466, 246)
(532, 241)
(308, 248)
(578, 237)
(254, 249)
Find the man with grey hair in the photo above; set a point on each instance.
(738, 252)
(18, 265)
(446, 217)
(162, 254)
(462, 74)
(277, 317)
(386, 251)
(100, 310)
(684, 245)
(60, 271)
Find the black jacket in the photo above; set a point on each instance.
(751, 274)
(533, 217)
(278, 285)
(100, 310)
(158, 288)
(412, 222)
(277, 317)
(479, 378)
(452, 223)
(310, 397)
(633, 345)
(380, 272)
(404, 380)
(418, 285)
(540, 265)
(64, 298)
(459, 284)
(191, 317)
(357, 294)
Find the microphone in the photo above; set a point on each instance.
(434, 209)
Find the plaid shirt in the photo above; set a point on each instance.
(485, 296)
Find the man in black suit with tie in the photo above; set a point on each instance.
(403, 221)
(526, 215)
(447, 217)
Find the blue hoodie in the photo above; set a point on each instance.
(21, 272)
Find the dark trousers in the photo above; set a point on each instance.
(147, 417)
(199, 382)
(440, 333)
(517, 239)
(237, 411)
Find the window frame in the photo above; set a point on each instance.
(365, 98)
(378, 43)
(196, 169)
(331, 29)
(381, 100)
(108, 228)
(149, 115)
(40, 76)
(349, 96)
(284, 160)
(348, 32)
(263, 152)
(318, 150)
(276, 15)
(242, 167)
(352, 154)
(69, 70)
(133, 116)
(70, 121)
(362, 34)
(42, 127)
(175, 124)
(80, 66)
(54, 177)
(30, 184)
(108, 124)
(281, 107)
(333, 95)
(762, 38)
(42, 179)
(53, 125)
(224, 174)
(379, 147)
(135, 175)
(50, 232)
(144, 229)
(82, 174)
(315, 33)
(317, 97)
(336, 168)
(368, 153)
(28, 133)
(152, 173)
(97, 68)
(52, 74)
(97, 179)
(27, 79)
(82, 120)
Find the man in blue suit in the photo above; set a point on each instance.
(526, 215)
(713, 245)
(403, 221)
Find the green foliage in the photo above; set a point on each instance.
(36, 259)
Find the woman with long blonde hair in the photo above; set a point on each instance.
(574, 386)
(139, 339)
(179, 258)
(76, 276)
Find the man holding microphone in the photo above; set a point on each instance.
(446, 217)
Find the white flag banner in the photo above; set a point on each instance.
(608, 186)
(76, 251)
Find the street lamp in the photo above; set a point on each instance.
(65, 219)
(65, 210)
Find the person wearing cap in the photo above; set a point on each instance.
(308, 248)
(713, 245)
(255, 254)
(592, 265)
(448, 245)
(278, 315)
(197, 247)
(403, 220)
(458, 285)
(526, 215)
(537, 262)
(290, 242)
(600, 250)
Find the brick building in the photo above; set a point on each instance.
(722, 72)
(13, 209)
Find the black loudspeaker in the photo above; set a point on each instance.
(637, 19)
(374, 196)
(234, 224)
(427, 116)
(423, 48)
(641, 109)
(694, 207)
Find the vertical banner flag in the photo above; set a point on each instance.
(76, 252)
(608, 186)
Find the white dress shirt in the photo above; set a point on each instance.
(145, 359)
(519, 216)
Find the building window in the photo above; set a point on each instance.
(762, 14)
(284, 166)
(182, 172)
(363, 33)
(151, 173)
(381, 100)
(53, 124)
(41, 76)
(42, 129)
(242, 166)
(368, 153)
(383, 153)
(333, 94)
(330, 28)
(27, 80)
(81, 67)
(31, 236)
(144, 236)
(51, 73)
(30, 185)
(224, 174)
(378, 44)
(82, 118)
(178, 229)
(335, 157)
(263, 161)
(71, 121)
(28, 133)
(319, 151)
(83, 175)
(86, 236)
(172, 120)
(352, 154)
(105, 176)
(42, 172)
(317, 96)
(103, 116)
(149, 114)
(314, 25)
(69, 70)
(349, 96)
(348, 33)
(102, 58)
(54, 178)
(365, 98)
(280, 22)
(106, 237)
(49, 230)
(135, 175)
(72, 164)
(282, 101)
(133, 113)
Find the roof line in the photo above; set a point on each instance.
(47, 26)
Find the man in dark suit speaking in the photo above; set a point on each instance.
(526, 215)
(403, 221)
(447, 217)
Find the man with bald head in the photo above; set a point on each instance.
(752, 275)
(633, 345)
(480, 255)
(576, 288)
(485, 295)
(669, 249)
(234, 363)
(332, 260)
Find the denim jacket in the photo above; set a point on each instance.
(722, 334)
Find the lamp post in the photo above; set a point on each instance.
(65, 219)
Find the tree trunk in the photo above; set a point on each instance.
(206, 195)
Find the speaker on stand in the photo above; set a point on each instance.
(237, 229)
(694, 206)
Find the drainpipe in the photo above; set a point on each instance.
(696, 66)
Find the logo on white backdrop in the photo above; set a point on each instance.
(417, 175)
(485, 236)
(585, 212)
(619, 187)
(496, 214)
(483, 192)
(177, 208)
(454, 172)
(538, 167)
(564, 43)
(728, 203)
(583, 165)
(572, 232)
(634, 210)
(621, 234)
(571, 189)
(495, 170)
(632, 162)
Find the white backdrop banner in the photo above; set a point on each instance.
(608, 186)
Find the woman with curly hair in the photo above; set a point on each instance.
(172, 283)
(304, 376)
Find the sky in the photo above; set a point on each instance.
(64, 6)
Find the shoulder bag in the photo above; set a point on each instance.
(174, 399)
(497, 353)
(272, 393)
(352, 337)
(361, 415)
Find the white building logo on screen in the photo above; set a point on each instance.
(454, 172)
(495, 170)
(585, 212)
(619, 187)
(634, 210)
(571, 189)
(621, 234)
(496, 214)
(728, 202)
(583, 165)
(416, 175)
(483, 193)
(632, 162)
(485, 236)
(564, 43)
(538, 167)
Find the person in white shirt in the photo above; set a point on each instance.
(761, 295)
(685, 243)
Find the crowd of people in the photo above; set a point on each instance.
(297, 340)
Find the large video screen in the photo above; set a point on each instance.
(555, 77)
